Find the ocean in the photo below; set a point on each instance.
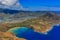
(30, 34)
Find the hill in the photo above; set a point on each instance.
(40, 21)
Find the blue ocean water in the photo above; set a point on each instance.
(30, 34)
(54, 34)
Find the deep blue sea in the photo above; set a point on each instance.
(30, 34)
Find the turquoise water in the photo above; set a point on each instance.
(30, 34)
(19, 30)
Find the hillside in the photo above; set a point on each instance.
(40, 23)
(43, 23)
(7, 15)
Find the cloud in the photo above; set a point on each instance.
(10, 4)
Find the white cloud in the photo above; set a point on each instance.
(17, 6)
(10, 4)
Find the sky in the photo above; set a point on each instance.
(33, 5)
(41, 4)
